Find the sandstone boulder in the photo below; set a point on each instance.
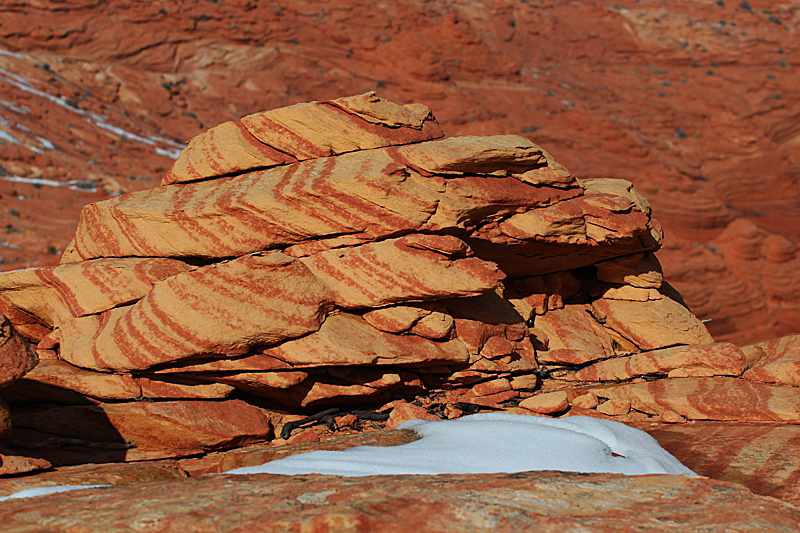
(336, 255)
(780, 362)
(16, 355)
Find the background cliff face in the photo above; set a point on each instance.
(695, 102)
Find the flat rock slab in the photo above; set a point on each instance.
(761, 457)
(134, 431)
(92, 474)
(530, 501)
(714, 398)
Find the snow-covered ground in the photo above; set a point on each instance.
(161, 145)
(481, 443)
(41, 491)
(494, 442)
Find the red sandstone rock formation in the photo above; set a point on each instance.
(17, 358)
(361, 277)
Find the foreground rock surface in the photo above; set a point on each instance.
(544, 501)
(762, 457)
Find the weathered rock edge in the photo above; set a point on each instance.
(541, 501)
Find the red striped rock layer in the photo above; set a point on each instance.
(723, 359)
(744, 281)
(776, 361)
(737, 311)
(762, 457)
(222, 308)
(49, 296)
(301, 132)
(406, 269)
(226, 309)
(363, 196)
(710, 398)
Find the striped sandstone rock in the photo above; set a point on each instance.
(780, 362)
(224, 308)
(339, 254)
(357, 197)
(712, 398)
(721, 359)
(762, 457)
(417, 267)
(301, 132)
(52, 295)
(447, 503)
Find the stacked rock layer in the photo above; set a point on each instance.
(341, 254)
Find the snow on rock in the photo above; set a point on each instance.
(490, 443)
(42, 491)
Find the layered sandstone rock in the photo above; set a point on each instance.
(90, 104)
(743, 281)
(366, 280)
(300, 132)
(371, 262)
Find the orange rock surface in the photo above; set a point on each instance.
(451, 503)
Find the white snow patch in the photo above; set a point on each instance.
(75, 185)
(22, 109)
(169, 152)
(46, 143)
(8, 137)
(41, 491)
(494, 442)
(10, 53)
(173, 148)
